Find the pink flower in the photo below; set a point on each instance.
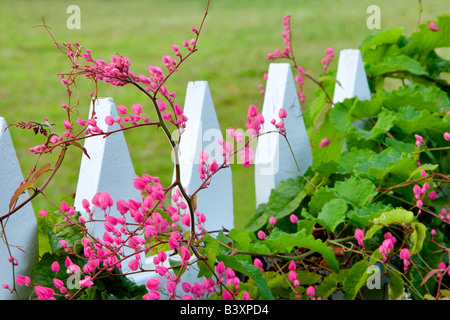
(220, 268)
(226, 295)
(152, 295)
(419, 140)
(64, 206)
(44, 293)
(67, 125)
(23, 280)
(447, 136)
(404, 254)
(59, 284)
(153, 283)
(247, 156)
(293, 218)
(55, 266)
(272, 221)
(324, 143)
(122, 109)
(43, 213)
(282, 113)
(185, 255)
(86, 282)
(359, 235)
(246, 296)
(292, 275)
(433, 26)
(292, 265)
(311, 291)
(133, 264)
(258, 263)
(261, 235)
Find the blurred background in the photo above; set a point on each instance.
(233, 47)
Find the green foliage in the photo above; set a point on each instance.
(364, 178)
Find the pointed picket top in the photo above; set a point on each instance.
(273, 158)
(108, 168)
(351, 77)
(23, 220)
(202, 134)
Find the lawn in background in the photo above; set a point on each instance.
(237, 36)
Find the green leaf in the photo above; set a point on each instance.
(333, 213)
(372, 231)
(411, 120)
(417, 237)
(386, 37)
(279, 241)
(250, 271)
(384, 123)
(320, 198)
(400, 146)
(356, 190)
(395, 216)
(396, 64)
(396, 285)
(418, 96)
(351, 158)
(210, 251)
(282, 201)
(355, 279)
(307, 278)
(361, 217)
(332, 152)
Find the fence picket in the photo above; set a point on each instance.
(351, 77)
(202, 134)
(21, 227)
(108, 168)
(273, 158)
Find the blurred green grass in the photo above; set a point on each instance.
(237, 36)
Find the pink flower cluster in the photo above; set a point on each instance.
(286, 34)
(327, 59)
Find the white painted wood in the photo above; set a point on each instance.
(202, 134)
(108, 168)
(351, 77)
(21, 227)
(273, 159)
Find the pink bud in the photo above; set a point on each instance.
(43, 213)
(136, 108)
(282, 113)
(272, 221)
(55, 266)
(153, 283)
(359, 235)
(257, 263)
(433, 26)
(404, 254)
(261, 235)
(447, 136)
(220, 268)
(293, 218)
(122, 109)
(311, 291)
(292, 265)
(324, 143)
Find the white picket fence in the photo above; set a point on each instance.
(110, 168)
